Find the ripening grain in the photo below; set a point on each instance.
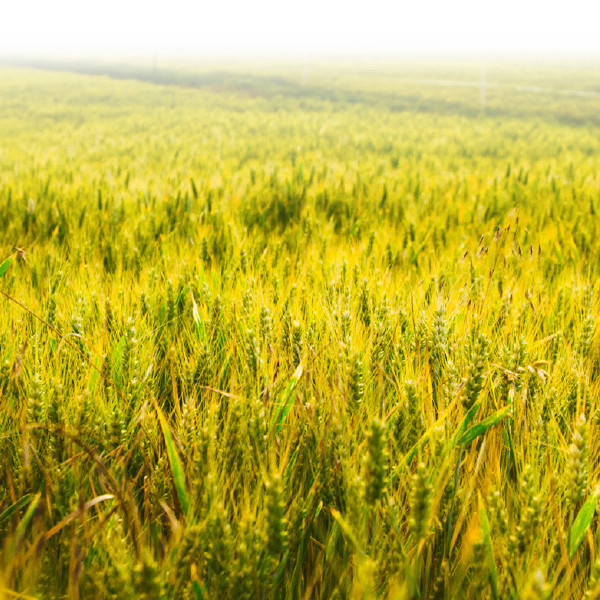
(333, 344)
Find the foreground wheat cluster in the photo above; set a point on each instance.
(294, 347)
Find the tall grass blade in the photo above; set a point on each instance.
(286, 401)
(5, 266)
(484, 425)
(582, 522)
(175, 462)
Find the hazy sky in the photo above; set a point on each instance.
(378, 26)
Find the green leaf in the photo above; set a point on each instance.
(288, 469)
(298, 569)
(175, 461)
(484, 425)
(465, 422)
(6, 514)
(581, 523)
(332, 540)
(28, 515)
(5, 266)
(200, 330)
(95, 374)
(487, 542)
(286, 401)
(182, 294)
(408, 457)
(279, 572)
(199, 590)
(22, 527)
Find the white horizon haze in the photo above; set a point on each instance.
(37, 27)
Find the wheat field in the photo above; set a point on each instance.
(263, 340)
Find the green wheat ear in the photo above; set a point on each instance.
(576, 470)
(421, 495)
(357, 382)
(375, 463)
(276, 523)
(473, 381)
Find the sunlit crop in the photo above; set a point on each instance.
(316, 345)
